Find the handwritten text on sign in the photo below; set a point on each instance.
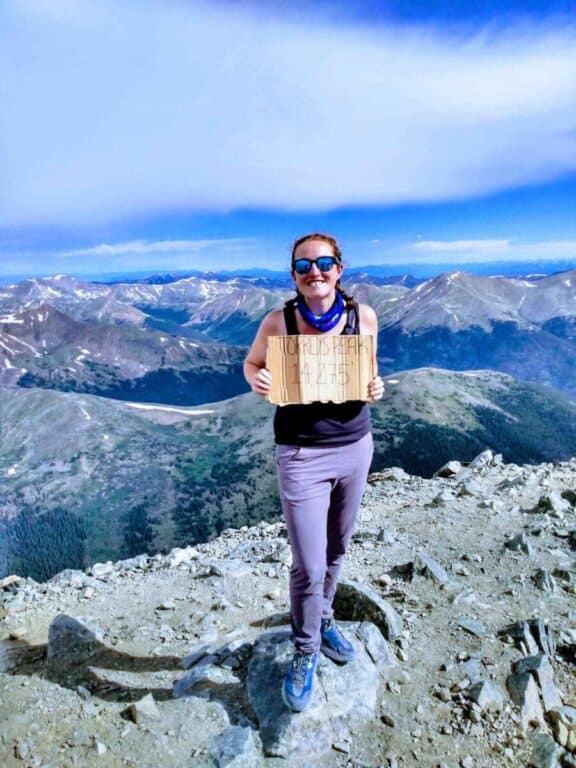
(305, 369)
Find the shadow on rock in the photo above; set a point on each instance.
(77, 658)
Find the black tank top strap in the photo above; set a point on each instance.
(352, 327)
(290, 318)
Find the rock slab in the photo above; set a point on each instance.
(344, 697)
(357, 602)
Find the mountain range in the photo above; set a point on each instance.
(470, 362)
(144, 340)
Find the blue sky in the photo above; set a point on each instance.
(171, 135)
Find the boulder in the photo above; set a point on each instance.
(72, 641)
(545, 751)
(524, 692)
(358, 602)
(344, 697)
(542, 670)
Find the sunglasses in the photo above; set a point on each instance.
(324, 264)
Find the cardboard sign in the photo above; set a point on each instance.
(306, 369)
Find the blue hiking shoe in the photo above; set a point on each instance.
(334, 644)
(299, 680)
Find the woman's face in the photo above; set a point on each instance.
(316, 284)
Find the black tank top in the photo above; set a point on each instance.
(318, 424)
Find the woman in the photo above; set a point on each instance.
(323, 454)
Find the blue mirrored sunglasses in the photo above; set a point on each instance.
(324, 264)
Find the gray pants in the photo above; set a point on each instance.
(321, 491)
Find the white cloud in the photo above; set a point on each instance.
(158, 247)
(124, 107)
(460, 246)
(477, 251)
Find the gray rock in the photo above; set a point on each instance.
(376, 647)
(469, 488)
(486, 695)
(143, 711)
(442, 499)
(544, 580)
(542, 669)
(511, 482)
(545, 751)
(553, 504)
(570, 495)
(519, 543)
(523, 637)
(544, 636)
(524, 692)
(138, 563)
(395, 474)
(72, 641)
(195, 656)
(484, 459)
(358, 602)
(492, 504)
(181, 556)
(236, 748)
(473, 626)
(232, 569)
(517, 685)
(100, 748)
(342, 746)
(425, 565)
(102, 570)
(204, 677)
(470, 669)
(263, 551)
(567, 715)
(344, 698)
(449, 469)
(70, 578)
(557, 504)
(564, 727)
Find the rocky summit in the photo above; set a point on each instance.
(458, 593)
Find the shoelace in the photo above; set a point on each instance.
(302, 662)
(328, 624)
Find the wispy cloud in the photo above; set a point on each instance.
(146, 248)
(476, 251)
(460, 246)
(129, 107)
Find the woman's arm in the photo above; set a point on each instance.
(255, 371)
(369, 326)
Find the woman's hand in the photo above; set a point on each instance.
(261, 382)
(375, 389)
